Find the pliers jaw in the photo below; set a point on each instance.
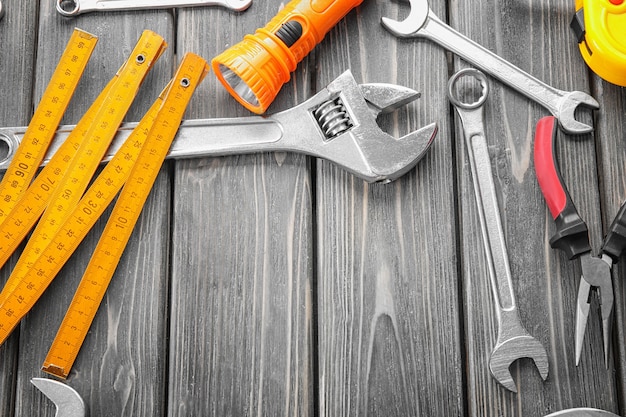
(596, 277)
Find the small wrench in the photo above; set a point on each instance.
(71, 8)
(422, 22)
(514, 342)
(337, 124)
(67, 401)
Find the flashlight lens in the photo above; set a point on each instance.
(239, 86)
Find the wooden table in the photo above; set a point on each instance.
(278, 284)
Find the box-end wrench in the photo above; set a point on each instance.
(71, 8)
(67, 401)
(422, 22)
(513, 342)
(337, 124)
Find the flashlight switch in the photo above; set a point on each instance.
(289, 32)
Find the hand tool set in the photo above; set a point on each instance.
(337, 124)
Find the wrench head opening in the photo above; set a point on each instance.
(512, 349)
(567, 112)
(361, 146)
(67, 401)
(409, 27)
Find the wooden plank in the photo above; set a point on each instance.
(18, 32)
(121, 368)
(241, 325)
(536, 38)
(389, 322)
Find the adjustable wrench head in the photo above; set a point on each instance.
(346, 114)
(409, 27)
(67, 401)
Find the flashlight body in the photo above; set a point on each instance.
(601, 43)
(264, 61)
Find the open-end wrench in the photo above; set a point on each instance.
(337, 124)
(71, 8)
(422, 22)
(67, 401)
(513, 342)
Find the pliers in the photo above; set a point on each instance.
(572, 237)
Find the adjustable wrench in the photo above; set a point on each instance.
(422, 22)
(67, 401)
(514, 342)
(71, 8)
(337, 124)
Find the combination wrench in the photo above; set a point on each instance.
(337, 124)
(422, 22)
(71, 8)
(513, 341)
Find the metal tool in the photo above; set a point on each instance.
(67, 401)
(337, 124)
(1, 11)
(599, 26)
(572, 236)
(513, 342)
(582, 412)
(422, 22)
(70, 8)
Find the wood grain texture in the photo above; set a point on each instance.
(389, 324)
(536, 38)
(242, 307)
(121, 368)
(18, 32)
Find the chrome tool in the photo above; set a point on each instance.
(582, 412)
(513, 342)
(422, 22)
(70, 8)
(67, 401)
(572, 236)
(337, 124)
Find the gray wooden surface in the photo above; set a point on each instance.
(278, 284)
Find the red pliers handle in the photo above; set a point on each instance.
(572, 235)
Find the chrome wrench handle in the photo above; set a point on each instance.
(471, 115)
(562, 104)
(71, 8)
(513, 342)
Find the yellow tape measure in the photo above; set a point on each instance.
(71, 178)
(45, 120)
(143, 172)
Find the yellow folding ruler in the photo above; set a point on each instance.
(136, 165)
(45, 120)
(69, 178)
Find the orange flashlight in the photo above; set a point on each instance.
(254, 70)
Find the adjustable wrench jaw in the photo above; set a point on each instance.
(339, 124)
